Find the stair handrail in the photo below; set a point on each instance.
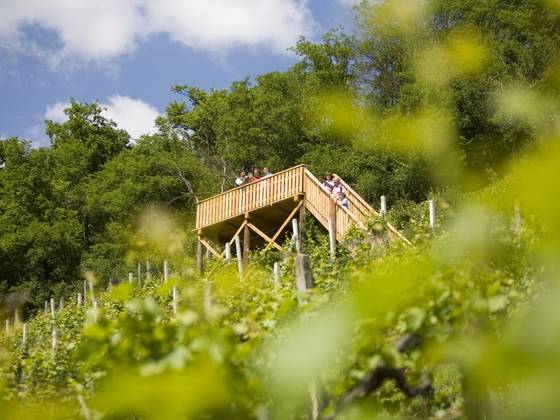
(371, 209)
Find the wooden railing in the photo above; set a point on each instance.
(246, 198)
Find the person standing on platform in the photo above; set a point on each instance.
(240, 179)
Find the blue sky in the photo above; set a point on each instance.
(127, 54)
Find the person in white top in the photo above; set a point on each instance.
(337, 189)
(240, 179)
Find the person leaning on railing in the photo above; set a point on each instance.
(240, 179)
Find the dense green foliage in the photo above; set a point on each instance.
(457, 101)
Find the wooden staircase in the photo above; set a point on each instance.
(267, 206)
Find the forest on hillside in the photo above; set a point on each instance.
(456, 101)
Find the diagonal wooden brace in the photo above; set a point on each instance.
(210, 247)
(264, 236)
(279, 231)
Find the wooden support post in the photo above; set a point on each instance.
(332, 229)
(302, 219)
(148, 270)
(239, 256)
(165, 271)
(295, 236)
(432, 210)
(276, 271)
(246, 244)
(383, 209)
(227, 252)
(199, 250)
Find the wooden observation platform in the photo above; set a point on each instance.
(260, 213)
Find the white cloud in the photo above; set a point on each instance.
(133, 115)
(55, 112)
(101, 30)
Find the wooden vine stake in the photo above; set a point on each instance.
(139, 269)
(148, 270)
(276, 271)
(130, 278)
(7, 326)
(54, 340)
(227, 252)
(432, 211)
(24, 335)
(79, 299)
(165, 271)
(53, 310)
(175, 299)
(383, 208)
(85, 292)
(61, 303)
(16, 317)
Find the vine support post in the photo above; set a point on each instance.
(130, 278)
(227, 251)
(7, 326)
(383, 208)
(16, 317)
(148, 270)
(432, 213)
(276, 271)
(139, 269)
(296, 236)
(79, 299)
(175, 299)
(24, 335)
(165, 271)
(52, 309)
